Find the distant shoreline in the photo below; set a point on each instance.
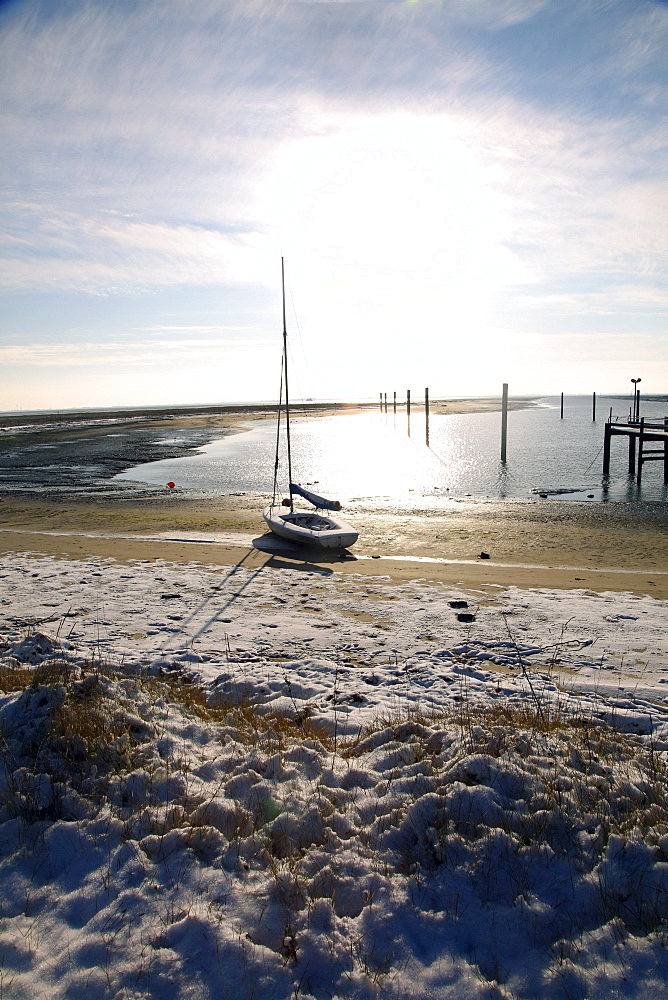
(470, 404)
(439, 404)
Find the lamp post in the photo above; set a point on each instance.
(636, 406)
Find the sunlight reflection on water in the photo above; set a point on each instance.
(370, 455)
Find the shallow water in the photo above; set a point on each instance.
(372, 456)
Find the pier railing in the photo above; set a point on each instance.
(640, 433)
(641, 422)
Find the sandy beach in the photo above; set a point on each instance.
(530, 544)
(61, 510)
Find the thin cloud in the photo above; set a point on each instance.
(96, 353)
(169, 330)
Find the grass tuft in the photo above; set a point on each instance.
(252, 725)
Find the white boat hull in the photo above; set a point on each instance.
(309, 528)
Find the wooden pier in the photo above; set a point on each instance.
(640, 433)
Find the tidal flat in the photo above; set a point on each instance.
(58, 495)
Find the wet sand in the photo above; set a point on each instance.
(617, 547)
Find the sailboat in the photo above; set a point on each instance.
(306, 527)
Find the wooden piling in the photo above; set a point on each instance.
(606, 446)
(632, 455)
(593, 408)
(394, 405)
(504, 421)
(381, 402)
(641, 443)
(562, 406)
(386, 402)
(408, 410)
(426, 416)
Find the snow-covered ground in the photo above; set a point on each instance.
(405, 822)
(389, 644)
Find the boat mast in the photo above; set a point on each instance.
(285, 372)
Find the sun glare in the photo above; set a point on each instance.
(396, 224)
(399, 192)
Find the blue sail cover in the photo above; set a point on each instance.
(313, 498)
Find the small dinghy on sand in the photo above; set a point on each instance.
(309, 527)
(306, 527)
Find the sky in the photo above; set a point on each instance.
(465, 192)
